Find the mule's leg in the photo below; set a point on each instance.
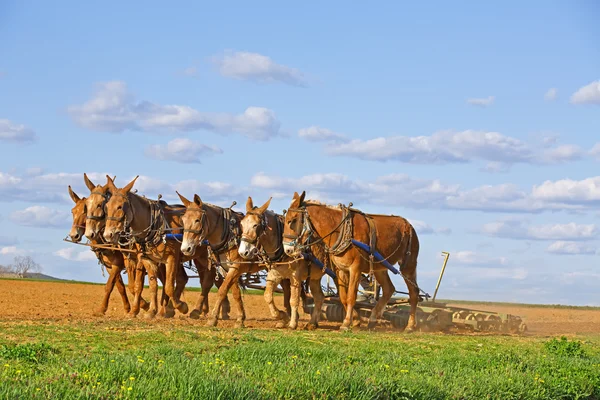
(113, 272)
(207, 278)
(383, 278)
(354, 275)
(181, 279)
(294, 302)
(226, 306)
(166, 309)
(237, 297)
(130, 266)
(139, 274)
(230, 280)
(273, 279)
(285, 286)
(152, 271)
(413, 298)
(172, 264)
(318, 297)
(122, 291)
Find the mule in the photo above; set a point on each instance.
(262, 236)
(308, 223)
(113, 261)
(142, 223)
(219, 226)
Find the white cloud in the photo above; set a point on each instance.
(569, 192)
(454, 147)
(424, 228)
(256, 67)
(41, 216)
(11, 250)
(481, 102)
(72, 255)
(190, 71)
(181, 150)
(11, 132)
(551, 94)
(588, 94)
(318, 134)
(113, 109)
(471, 258)
(518, 229)
(571, 248)
(595, 151)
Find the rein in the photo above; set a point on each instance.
(261, 231)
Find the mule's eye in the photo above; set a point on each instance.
(254, 226)
(119, 208)
(99, 205)
(197, 221)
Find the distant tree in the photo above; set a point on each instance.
(6, 269)
(23, 265)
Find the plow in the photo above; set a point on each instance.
(432, 316)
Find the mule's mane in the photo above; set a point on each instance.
(319, 203)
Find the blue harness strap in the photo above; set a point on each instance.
(376, 254)
(313, 259)
(179, 237)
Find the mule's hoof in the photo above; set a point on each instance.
(356, 324)
(145, 306)
(183, 308)
(311, 327)
(344, 328)
(132, 314)
(211, 322)
(293, 326)
(410, 329)
(280, 325)
(239, 324)
(99, 313)
(169, 313)
(372, 324)
(225, 315)
(195, 314)
(150, 314)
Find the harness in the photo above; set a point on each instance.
(260, 231)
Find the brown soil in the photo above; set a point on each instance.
(69, 302)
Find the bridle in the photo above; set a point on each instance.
(122, 218)
(307, 229)
(200, 231)
(261, 229)
(106, 197)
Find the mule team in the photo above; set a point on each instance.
(132, 233)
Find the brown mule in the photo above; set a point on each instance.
(308, 223)
(202, 221)
(112, 261)
(142, 223)
(262, 236)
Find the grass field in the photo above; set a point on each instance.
(128, 359)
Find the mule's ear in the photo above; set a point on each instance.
(301, 199)
(130, 184)
(249, 204)
(73, 195)
(197, 200)
(110, 182)
(88, 183)
(264, 207)
(295, 196)
(184, 201)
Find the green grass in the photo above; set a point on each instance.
(139, 360)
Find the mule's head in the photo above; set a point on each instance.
(118, 210)
(194, 224)
(79, 214)
(253, 225)
(95, 211)
(294, 224)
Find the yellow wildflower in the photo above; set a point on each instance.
(130, 388)
(404, 371)
(269, 363)
(132, 378)
(318, 372)
(6, 365)
(140, 360)
(18, 371)
(160, 361)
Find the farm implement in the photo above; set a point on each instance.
(431, 315)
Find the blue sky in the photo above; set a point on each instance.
(479, 123)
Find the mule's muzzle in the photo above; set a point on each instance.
(248, 252)
(290, 250)
(111, 236)
(188, 249)
(75, 237)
